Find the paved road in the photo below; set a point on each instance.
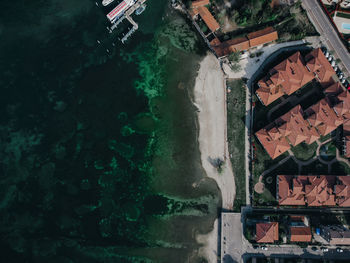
(328, 33)
(231, 237)
(234, 247)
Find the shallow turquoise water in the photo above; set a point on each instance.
(98, 149)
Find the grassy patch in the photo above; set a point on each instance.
(296, 26)
(304, 151)
(235, 136)
(268, 197)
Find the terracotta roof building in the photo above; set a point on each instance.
(284, 79)
(336, 235)
(244, 43)
(263, 36)
(318, 64)
(313, 190)
(342, 191)
(323, 117)
(199, 8)
(289, 129)
(300, 234)
(267, 232)
(230, 46)
(199, 3)
(307, 126)
(208, 18)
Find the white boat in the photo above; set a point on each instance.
(106, 2)
(140, 10)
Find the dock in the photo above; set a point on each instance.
(128, 15)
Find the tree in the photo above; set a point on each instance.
(234, 57)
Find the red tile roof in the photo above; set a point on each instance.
(323, 117)
(343, 191)
(267, 232)
(244, 43)
(300, 234)
(285, 78)
(291, 128)
(230, 46)
(263, 36)
(199, 3)
(334, 89)
(319, 65)
(274, 146)
(208, 18)
(313, 190)
(215, 42)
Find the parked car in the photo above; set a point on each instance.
(339, 250)
(264, 248)
(330, 58)
(333, 63)
(335, 68)
(324, 249)
(327, 54)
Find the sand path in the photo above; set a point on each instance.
(210, 98)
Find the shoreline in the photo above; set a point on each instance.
(210, 99)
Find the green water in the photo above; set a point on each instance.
(99, 154)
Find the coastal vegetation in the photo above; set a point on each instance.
(245, 16)
(234, 59)
(235, 136)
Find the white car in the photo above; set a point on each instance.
(339, 250)
(324, 249)
(264, 248)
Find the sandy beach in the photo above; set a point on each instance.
(210, 98)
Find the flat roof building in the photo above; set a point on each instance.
(300, 234)
(336, 234)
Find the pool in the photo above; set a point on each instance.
(346, 26)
